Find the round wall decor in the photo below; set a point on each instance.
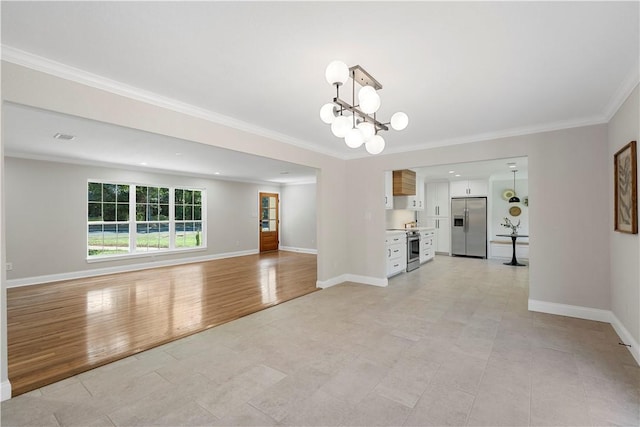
(515, 210)
(507, 194)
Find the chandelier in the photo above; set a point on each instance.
(357, 123)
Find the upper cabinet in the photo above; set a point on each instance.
(468, 188)
(388, 190)
(413, 202)
(437, 203)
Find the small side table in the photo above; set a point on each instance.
(514, 261)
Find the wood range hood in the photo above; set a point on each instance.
(404, 183)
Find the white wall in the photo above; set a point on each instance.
(298, 217)
(624, 248)
(564, 266)
(46, 215)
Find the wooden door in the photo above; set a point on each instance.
(269, 222)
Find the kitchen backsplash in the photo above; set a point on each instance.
(397, 218)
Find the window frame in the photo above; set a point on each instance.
(133, 222)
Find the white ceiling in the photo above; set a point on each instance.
(462, 71)
(28, 133)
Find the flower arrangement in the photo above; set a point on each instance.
(512, 226)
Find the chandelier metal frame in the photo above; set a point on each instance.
(360, 75)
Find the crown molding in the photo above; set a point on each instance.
(58, 69)
(624, 90)
(508, 133)
(39, 63)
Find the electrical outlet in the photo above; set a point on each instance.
(9, 266)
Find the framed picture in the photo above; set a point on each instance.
(626, 189)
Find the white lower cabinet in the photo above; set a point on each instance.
(396, 247)
(443, 233)
(427, 245)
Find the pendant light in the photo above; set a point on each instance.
(515, 198)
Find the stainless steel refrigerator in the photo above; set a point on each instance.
(469, 226)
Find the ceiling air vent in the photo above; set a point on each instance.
(64, 137)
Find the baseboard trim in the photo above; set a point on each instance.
(36, 280)
(589, 313)
(626, 337)
(5, 391)
(365, 280)
(579, 312)
(301, 250)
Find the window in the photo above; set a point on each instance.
(164, 219)
(188, 214)
(108, 219)
(152, 219)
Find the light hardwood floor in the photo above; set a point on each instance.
(58, 330)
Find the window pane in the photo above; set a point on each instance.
(95, 191)
(95, 212)
(164, 212)
(153, 194)
(109, 211)
(153, 212)
(197, 213)
(188, 212)
(123, 193)
(141, 194)
(179, 197)
(123, 212)
(179, 213)
(109, 192)
(122, 232)
(188, 197)
(164, 195)
(141, 212)
(197, 197)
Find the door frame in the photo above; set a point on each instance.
(260, 218)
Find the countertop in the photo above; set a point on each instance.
(404, 230)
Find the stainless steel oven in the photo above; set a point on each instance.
(413, 250)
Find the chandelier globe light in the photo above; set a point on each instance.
(328, 113)
(367, 129)
(399, 121)
(337, 73)
(341, 126)
(375, 145)
(354, 138)
(362, 126)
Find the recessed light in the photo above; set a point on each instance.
(64, 136)
(451, 171)
(457, 174)
(143, 163)
(216, 173)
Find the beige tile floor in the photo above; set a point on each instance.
(451, 343)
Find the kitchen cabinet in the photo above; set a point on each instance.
(404, 183)
(427, 245)
(396, 248)
(442, 233)
(415, 202)
(437, 199)
(468, 188)
(388, 190)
